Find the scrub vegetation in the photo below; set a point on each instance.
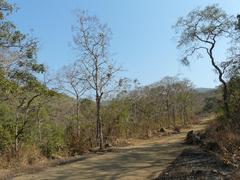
(87, 105)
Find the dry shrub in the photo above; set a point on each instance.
(230, 145)
(78, 144)
(30, 155)
(27, 155)
(5, 160)
(227, 139)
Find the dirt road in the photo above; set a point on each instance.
(145, 159)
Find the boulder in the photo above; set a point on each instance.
(108, 145)
(192, 138)
(162, 130)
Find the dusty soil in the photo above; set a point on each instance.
(145, 159)
(197, 164)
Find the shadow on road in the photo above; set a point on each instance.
(135, 163)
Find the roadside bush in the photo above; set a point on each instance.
(6, 128)
(29, 155)
(234, 90)
(5, 139)
(78, 141)
(53, 142)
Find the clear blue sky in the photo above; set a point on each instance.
(142, 39)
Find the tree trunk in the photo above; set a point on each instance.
(168, 113)
(185, 115)
(226, 100)
(99, 122)
(220, 77)
(182, 116)
(78, 116)
(174, 116)
(39, 126)
(97, 118)
(16, 134)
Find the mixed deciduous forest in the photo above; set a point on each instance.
(87, 104)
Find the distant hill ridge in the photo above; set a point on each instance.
(204, 90)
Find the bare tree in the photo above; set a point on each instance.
(199, 33)
(91, 39)
(70, 81)
(185, 99)
(170, 92)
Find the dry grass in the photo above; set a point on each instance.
(38, 166)
(27, 155)
(227, 138)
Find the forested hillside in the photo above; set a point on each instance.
(86, 104)
(38, 121)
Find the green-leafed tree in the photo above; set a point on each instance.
(19, 85)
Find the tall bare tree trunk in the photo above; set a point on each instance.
(99, 122)
(78, 116)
